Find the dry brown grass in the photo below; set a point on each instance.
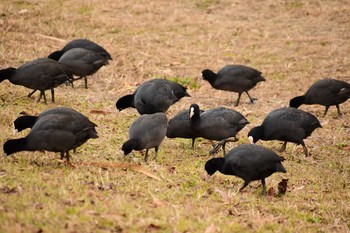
(294, 43)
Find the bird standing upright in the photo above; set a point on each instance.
(235, 78)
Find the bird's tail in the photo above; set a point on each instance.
(280, 168)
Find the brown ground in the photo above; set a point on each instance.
(294, 43)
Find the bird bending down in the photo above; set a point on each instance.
(326, 92)
(147, 131)
(40, 74)
(155, 95)
(56, 133)
(249, 162)
(81, 43)
(83, 62)
(287, 125)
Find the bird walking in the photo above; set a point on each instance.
(219, 124)
(234, 78)
(179, 127)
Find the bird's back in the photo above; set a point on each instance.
(328, 92)
(289, 124)
(150, 129)
(83, 62)
(87, 44)
(252, 162)
(41, 74)
(237, 78)
(151, 97)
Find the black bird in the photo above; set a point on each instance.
(326, 92)
(56, 133)
(24, 122)
(40, 74)
(179, 127)
(81, 43)
(83, 62)
(235, 78)
(216, 124)
(155, 95)
(287, 125)
(249, 162)
(146, 132)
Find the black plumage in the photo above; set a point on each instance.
(155, 95)
(147, 131)
(56, 133)
(249, 162)
(217, 124)
(81, 43)
(24, 122)
(235, 78)
(40, 74)
(83, 62)
(179, 127)
(326, 92)
(287, 125)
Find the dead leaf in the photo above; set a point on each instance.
(152, 227)
(282, 187)
(96, 111)
(225, 197)
(158, 202)
(271, 192)
(171, 169)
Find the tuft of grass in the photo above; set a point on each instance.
(205, 4)
(188, 82)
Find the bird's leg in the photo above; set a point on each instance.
(156, 152)
(192, 147)
(244, 185)
(146, 156)
(30, 94)
(338, 108)
(62, 155)
(85, 80)
(305, 149)
(68, 160)
(223, 144)
(325, 112)
(264, 186)
(42, 93)
(283, 148)
(251, 99)
(223, 147)
(53, 95)
(237, 101)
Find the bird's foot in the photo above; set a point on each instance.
(215, 149)
(253, 101)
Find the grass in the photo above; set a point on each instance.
(293, 43)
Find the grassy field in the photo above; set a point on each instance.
(294, 43)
